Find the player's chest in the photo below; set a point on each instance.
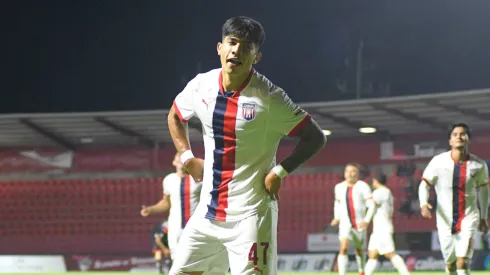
(352, 195)
(458, 176)
(219, 113)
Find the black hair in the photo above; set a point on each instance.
(380, 177)
(459, 124)
(244, 27)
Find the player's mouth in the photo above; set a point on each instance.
(233, 62)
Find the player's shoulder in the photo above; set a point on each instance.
(340, 184)
(264, 86)
(476, 159)
(362, 184)
(441, 157)
(171, 177)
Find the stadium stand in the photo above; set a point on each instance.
(74, 183)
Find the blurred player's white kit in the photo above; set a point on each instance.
(184, 196)
(381, 239)
(458, 215)
(350, 209)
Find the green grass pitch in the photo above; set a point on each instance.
(280, 273)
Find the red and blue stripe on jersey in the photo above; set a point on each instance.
(459, 195)
(224, 125)
(350, 206)
(185, 200)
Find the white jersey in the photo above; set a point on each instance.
(184, 196)
(383, 218)
(455, 185)
(241, 133)
(351, 203)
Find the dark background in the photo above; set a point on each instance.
(128, 55)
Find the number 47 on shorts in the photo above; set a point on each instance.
(253, 253)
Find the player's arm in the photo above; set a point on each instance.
(182, 110)
(311, 141)
(370, 205)
(287, 118)
(429, 178)
(162, 206)
(483, 192)
(336, 209)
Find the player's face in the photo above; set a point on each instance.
(237, 55)
(351, 173)
(459, 138)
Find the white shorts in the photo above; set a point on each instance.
(355, 237)
(459, 245)
(173, 239)
(382, 243)
(248, 246)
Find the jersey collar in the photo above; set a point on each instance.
(237, 92)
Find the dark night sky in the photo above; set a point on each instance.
(128, 55)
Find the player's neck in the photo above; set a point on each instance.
(351, 183)
(459, 155)
(233, 82)
(181, 174)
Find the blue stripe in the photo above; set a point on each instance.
(456, 177)
(182, 201)
(219, 146)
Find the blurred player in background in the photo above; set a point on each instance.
(244, 117)
(353, 200)
(180, 196)
(459, 178)
(381, 240)
(160, 245)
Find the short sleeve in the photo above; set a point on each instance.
(378, 197)
(367, 194)
(183, 103)
(430, 172)
(287, 118)
(166, 185)
(483, 175)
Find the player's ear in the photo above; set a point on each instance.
(258, 56)
(218, 48)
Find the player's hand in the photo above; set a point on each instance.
(145, 211)
(334, 222)
(195, 167)
(425, 211)
(483, 226)
(272, 185)
(363, 226)
(166, 252)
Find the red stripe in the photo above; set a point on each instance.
(228, 156)
(187, 198)
(461, 196)
(300, 126)
(177, 111)
(351, 208)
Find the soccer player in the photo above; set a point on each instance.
(381, 240)
(243, 116)
(160, 244)
(459, 178)
(180, 196)
(353, 200)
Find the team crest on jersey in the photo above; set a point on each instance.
(248, 111)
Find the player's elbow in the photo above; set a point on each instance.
(313, 134)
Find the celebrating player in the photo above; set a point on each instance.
(381, 240)
(456, 176)
(180, 195)
(160, 244)
(244, 116)
(353, 201)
